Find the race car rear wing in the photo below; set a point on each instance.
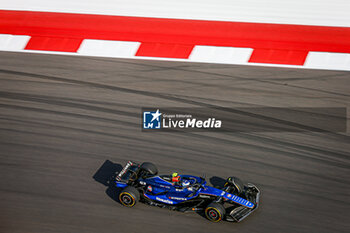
(238, 214)
(128, 173)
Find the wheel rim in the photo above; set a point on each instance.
(126, 199)
(213, 214)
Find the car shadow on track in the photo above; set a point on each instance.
(106, 175)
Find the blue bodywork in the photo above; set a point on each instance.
(161, 190)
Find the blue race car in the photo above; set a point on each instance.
(233, 202)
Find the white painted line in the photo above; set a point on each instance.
(225, 55)
(331, 61)
(13, 43)
(106, 48)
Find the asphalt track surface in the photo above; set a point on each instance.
(62, 117)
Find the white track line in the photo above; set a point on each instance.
(332, 61)
(105, 48)
(13, 43)
(226, 55)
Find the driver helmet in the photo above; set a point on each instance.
(185, 183)
(175, 177)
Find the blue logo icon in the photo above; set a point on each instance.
(151, 120)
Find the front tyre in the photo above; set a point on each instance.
(236, 184)
(215, 212)
(129, 196)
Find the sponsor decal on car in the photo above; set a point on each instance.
(178, 198)
(179, 190)
(164, 200)
(149, 188)
(121, 173)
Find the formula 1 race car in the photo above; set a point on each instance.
(233, 202)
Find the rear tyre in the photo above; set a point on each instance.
(215, 212)
(129, 196)
(149, 168)
(236, 183)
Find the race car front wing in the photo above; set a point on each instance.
(237, 214)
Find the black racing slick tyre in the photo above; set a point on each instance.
(236, 183)
(150, 168)
(129, 196)
(215, 212)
